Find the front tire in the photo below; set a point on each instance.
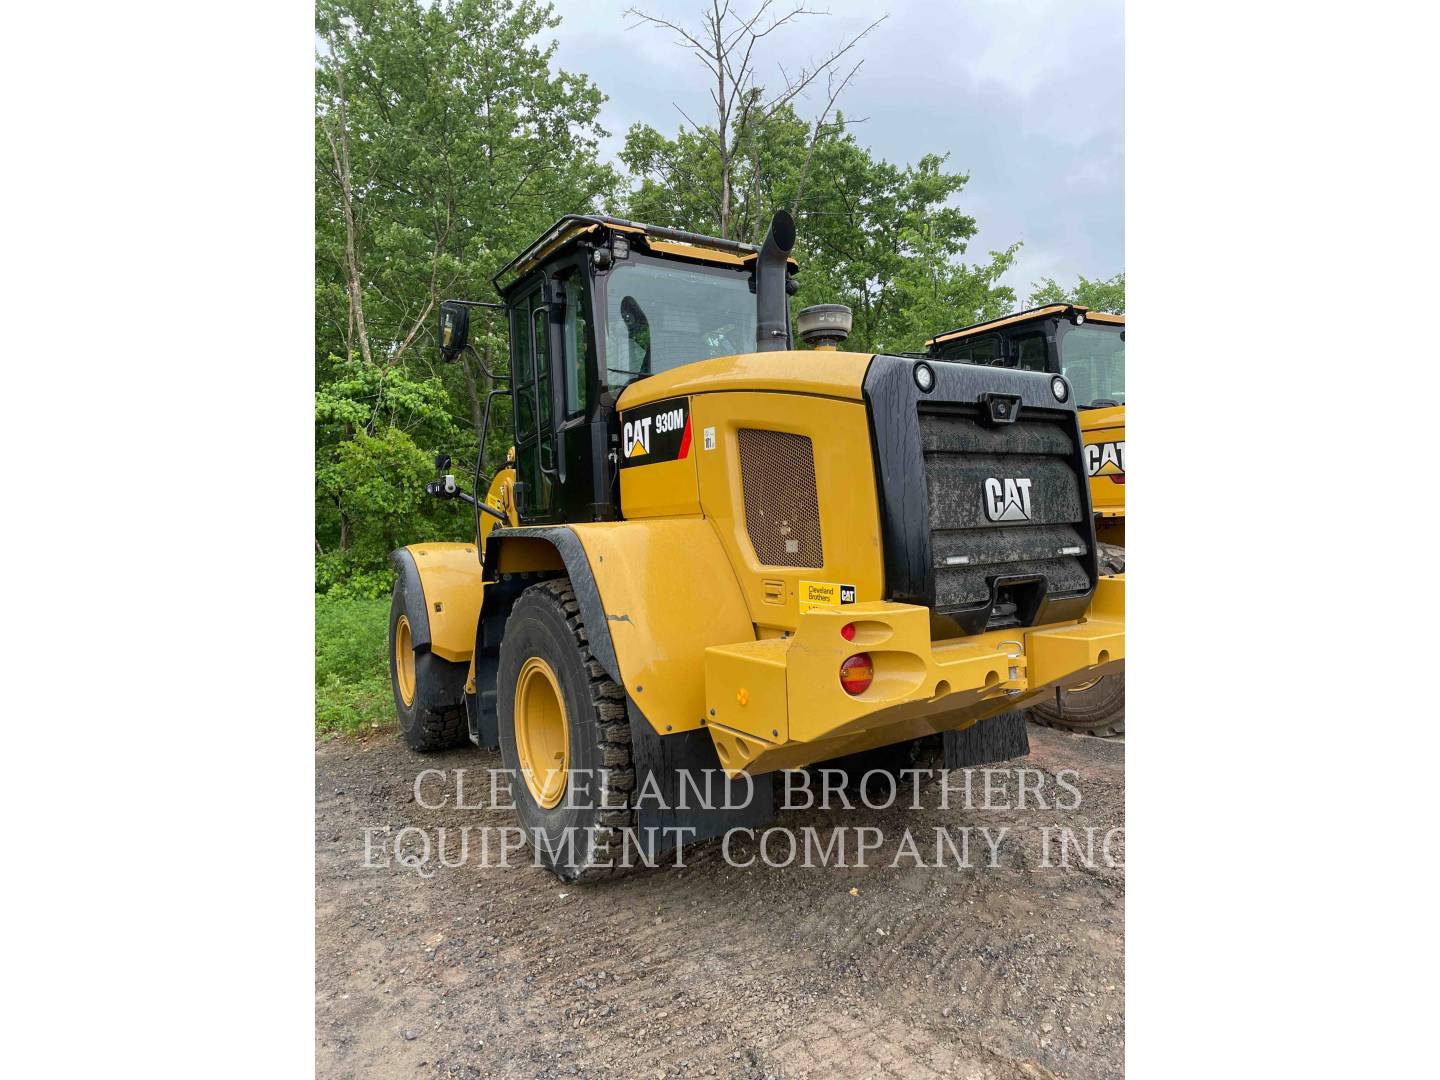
(1097, 708)
(564, 738)
(429, 691)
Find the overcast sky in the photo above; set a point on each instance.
(1025, 95)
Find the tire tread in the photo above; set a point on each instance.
(612, 728)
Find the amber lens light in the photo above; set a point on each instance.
(856, 673)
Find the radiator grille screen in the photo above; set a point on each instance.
(782, 513)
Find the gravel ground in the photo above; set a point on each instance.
(708, 969)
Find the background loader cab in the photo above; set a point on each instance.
(713, 556)
(1088, 349)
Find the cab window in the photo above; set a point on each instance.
(577, 357)
(1093, 359)
(986, 350)
(1030, 353)
(661, 314)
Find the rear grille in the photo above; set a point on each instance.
(1029, 467)
(782, 511)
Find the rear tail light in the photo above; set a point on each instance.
(848, 631)
(856, 674)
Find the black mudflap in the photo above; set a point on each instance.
(988, 742)
(480, 708)
(483, 721)
(682, 793)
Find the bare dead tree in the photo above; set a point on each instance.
(725, 45)
(835, 89)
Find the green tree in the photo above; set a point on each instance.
(886, 240)
(445, 141)
(1106, 294)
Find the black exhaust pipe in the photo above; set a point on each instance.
(772, 302)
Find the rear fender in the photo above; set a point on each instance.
(654, 595)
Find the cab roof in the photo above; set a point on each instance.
(657, 239)
(1048, 311)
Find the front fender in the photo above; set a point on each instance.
(442, 589)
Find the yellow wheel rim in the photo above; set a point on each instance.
(404, 661)
(1082, 687)
(542, 732)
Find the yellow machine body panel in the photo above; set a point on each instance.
(1103, 432)
(778, 703)
(502, 497)
(662, 489)
(681, 573)
(669, 593)
(844, 530)
(828, 374)
(450, 578)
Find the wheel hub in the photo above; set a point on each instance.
(404, 662)
(542, 732)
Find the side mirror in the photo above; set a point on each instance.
(454, 330)
(442, 462)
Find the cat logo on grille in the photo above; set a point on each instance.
(1007, 500)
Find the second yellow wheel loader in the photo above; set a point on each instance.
(711, 555)
(1087, 348)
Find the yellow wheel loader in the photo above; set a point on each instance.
(1087, 348)
(711, 555)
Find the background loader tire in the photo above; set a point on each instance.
(433, 718)
(545, 648)
(1099, 709)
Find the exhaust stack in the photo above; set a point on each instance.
(772, 326)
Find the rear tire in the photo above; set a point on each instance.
(559, 710)
(1099, 708)
(865, 771)
(429, 691)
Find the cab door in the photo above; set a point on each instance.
(533, 388)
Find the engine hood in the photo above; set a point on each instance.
(797, 371)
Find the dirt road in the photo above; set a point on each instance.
(711, 969)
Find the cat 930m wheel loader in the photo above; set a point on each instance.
(1088, 349)
(710, 556)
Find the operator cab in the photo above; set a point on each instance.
(598, 303)
(1087, 347)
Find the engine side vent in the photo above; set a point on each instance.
(782, 511)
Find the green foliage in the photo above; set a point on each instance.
(1099, 295)
(884, 239)
(352, 672)
(445, 142)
